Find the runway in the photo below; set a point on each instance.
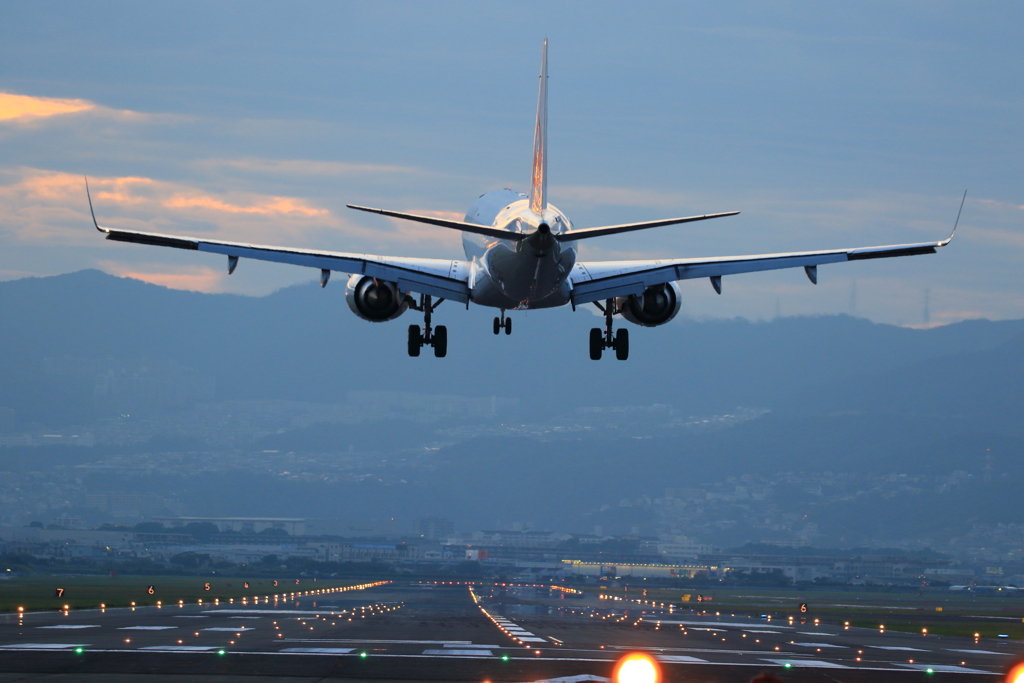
(409, 631)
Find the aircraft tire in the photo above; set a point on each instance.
(415, 340)
(497, 325)
(508, 325)
(622, 344)
(596, 343)
(440, 341)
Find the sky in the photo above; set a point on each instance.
(826, 124)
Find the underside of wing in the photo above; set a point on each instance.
(607, 279)
(437, 277)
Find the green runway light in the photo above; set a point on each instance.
(788, 665)
(504, 658)
(362, 654)
(930, 670)
(220, 652)
(78, 650)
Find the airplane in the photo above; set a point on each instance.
(521, 254)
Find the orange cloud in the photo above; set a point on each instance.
(191, 278)
(26, 107)
(273, 205)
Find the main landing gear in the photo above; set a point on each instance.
(436, 337)
(502, 323)
(599, 341)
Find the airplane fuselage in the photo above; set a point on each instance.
(523, 274)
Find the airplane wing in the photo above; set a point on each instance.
(437, 277)
(607, 279)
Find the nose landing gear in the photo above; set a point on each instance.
(436, 337)
(502, 323)
(599, 341)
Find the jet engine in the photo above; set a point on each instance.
(375, 300)
(656, 306)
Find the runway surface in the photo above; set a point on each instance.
(424, 632)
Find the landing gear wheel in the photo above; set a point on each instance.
(497, 325)
(596, 343)
(622, 344)
(508, 326)
(415, 340)
(440, 341)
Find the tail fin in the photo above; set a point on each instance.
(538, 198)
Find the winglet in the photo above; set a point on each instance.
(91, 212)
(950, 238)
(538, 197)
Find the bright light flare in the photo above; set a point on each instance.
(1016, 674)
(639, 667)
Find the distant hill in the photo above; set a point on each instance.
(876, 403)
(302, 343)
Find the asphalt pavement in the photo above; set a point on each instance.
(410, 631)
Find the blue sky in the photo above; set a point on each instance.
(826, 124)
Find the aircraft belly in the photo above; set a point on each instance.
(521, 280)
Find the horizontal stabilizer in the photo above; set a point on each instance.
(587, 233)
(496, 233)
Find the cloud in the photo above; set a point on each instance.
(305, 166)
(26, 107)
(267, 207)
(191, 278)
(49, 207)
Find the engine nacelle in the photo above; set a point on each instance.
(656, 306)
(375, 300)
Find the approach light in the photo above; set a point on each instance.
(1016, 674)
(637, 667)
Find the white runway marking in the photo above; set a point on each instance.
(816, 633)
(944, 668)
(759, 630)
(227, 628)
(179, 648)
(42, 646)
(901, 649)
(71, 626)
(145, 628)
(680, 659)
(807, 663)
(460, 653)
(320, 650)
(984, 652)
(533, 640)
(464, 645)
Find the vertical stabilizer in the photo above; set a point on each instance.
(538, 197)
